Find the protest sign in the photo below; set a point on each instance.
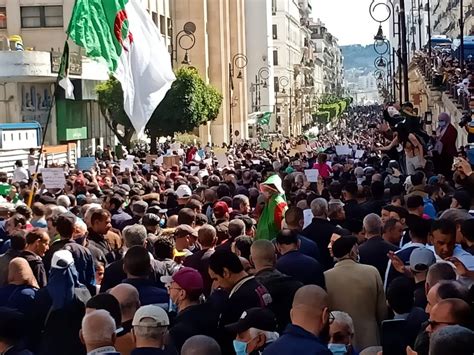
(194, 169)
(53, 178)
(85, 163)
(301, 148)
(150, 158)
(265, 145)
(312, 175)
(359, 154)
(343, 150)
(127, 163)
(169, 161)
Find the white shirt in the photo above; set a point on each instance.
(464, 257)
(20, 174)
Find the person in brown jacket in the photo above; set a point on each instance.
(357, 290)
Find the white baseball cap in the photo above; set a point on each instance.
(151, 316)
(183, 191)
(62, 259)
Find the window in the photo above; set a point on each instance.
(41, 16)
(274, 7)
(275, 57)
(276, 83)
(154, 17)
(275, 31)
(3, 17)
(162, 25)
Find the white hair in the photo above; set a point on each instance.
(270, 336)
(81, 225)
(98, 326)
(319, 207)
(373, 224)
(344, 318)
(63, 201)
(155, 333)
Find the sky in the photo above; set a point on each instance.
(348, 20)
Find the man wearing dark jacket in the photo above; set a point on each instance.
(185, 288)
(82, 256)
(294, 263)
(374, 251)
(320, 231)
(351, 206)
(244, 290)
(37, 244)
(309, 331)
(282, 287)
(136, 264)
(100, 225)
(114, 205)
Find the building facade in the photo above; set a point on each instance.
(33, 37)
(219, 37)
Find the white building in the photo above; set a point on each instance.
(28, 76)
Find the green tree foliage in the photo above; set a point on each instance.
(111, 106)
(188, 104)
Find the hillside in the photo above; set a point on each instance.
(359, 57)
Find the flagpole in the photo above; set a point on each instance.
(45, 131)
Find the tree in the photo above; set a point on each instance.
(189, 103)
(111, 106)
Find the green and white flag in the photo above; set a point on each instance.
(122, 33)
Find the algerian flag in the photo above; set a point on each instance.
(122, 33)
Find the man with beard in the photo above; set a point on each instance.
(308, 332)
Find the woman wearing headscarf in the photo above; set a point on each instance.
(21, 290)
(445, 147)
(60, 307)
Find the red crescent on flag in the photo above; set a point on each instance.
(118, 26)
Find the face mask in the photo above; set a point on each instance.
(173, 307)
(80, 240)
(337, 349)
(240, 347)
(162, 223)
(441, 124)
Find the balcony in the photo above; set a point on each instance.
(20, 66)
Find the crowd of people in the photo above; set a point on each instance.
(252, 255)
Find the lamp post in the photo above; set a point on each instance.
(399, 28)
(428, 10)
(239, 62)
(185, 40)
(261, 80)
(284, 82)
(461, 33)
(382, 46)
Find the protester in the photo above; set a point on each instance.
(98, 333)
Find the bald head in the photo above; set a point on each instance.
(450, 311)
(263, 254)
(128, 298)
(312, 297)
(98, 329)
(200, 345)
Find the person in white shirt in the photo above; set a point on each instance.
(98, 332)
(20, 172)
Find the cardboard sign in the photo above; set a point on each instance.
(293, 152)
(221, 157)
(53, 178)
(312, 175)
(301, 148)
(150, 158)
(275, 145)
(169, 161)
(85, 163)
(343, 150)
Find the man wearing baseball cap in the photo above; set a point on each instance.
(420, 261)
(255, 329)
(150, 326)
(185, 288)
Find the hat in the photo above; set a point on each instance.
(62, 259)
(183, 191)
(150, 316)
(421, 259)
(275, 183)
(259, 318)
(343, 246)
(183, 230)
(139, 208)
(187, 278)
(220, 209)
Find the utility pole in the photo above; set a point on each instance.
(403, 26)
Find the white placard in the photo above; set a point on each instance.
(159, 160)
(221, 157)
(194, 169)
(343, 150)
(208, 162)
(180, 151)
(175, 146)
(312, 175)
(127, 163)
(53, 178)
(359, 153)
(256, 162)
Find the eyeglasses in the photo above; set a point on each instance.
(331, 318)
